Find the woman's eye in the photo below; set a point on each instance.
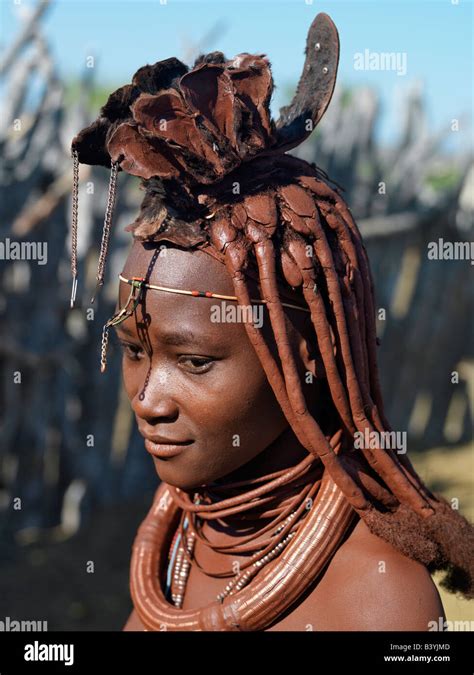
(196, 364)
(132, 352)
(193, 364)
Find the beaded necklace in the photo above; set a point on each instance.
(179, 566)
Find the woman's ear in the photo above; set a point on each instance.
(305, 348)
(311, 358)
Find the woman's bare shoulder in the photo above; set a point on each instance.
(370, 585)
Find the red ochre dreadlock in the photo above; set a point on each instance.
(215, 173)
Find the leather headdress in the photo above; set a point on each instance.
(191, 134)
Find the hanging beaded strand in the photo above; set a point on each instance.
(181, 566)
(106, 229)
(180, 571)
(127, 310)
(75, 215)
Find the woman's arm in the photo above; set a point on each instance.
(133, 623)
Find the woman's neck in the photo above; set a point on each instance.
(285, 452)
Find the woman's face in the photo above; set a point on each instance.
(189, 379)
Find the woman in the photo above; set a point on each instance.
(246, 318)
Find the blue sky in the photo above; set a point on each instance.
(436, 36)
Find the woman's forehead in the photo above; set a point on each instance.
(174, 312)
(190, 270)
(178, 268)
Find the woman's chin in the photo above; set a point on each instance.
(178, 478)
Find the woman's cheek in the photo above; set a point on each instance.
(134, 375)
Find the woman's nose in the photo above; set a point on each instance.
(154, 400)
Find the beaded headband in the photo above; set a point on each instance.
(138, 284)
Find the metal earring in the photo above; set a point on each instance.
(106, 228)
(75, 214)
(127, 310)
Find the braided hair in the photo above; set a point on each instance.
(215, 173)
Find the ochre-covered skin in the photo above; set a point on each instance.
(209, 413)
(226, 210)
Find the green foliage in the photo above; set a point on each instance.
(346, 97)
(446, 178)
(98, 95)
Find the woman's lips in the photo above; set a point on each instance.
(164, 450)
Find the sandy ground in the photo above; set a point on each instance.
(51, 580)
